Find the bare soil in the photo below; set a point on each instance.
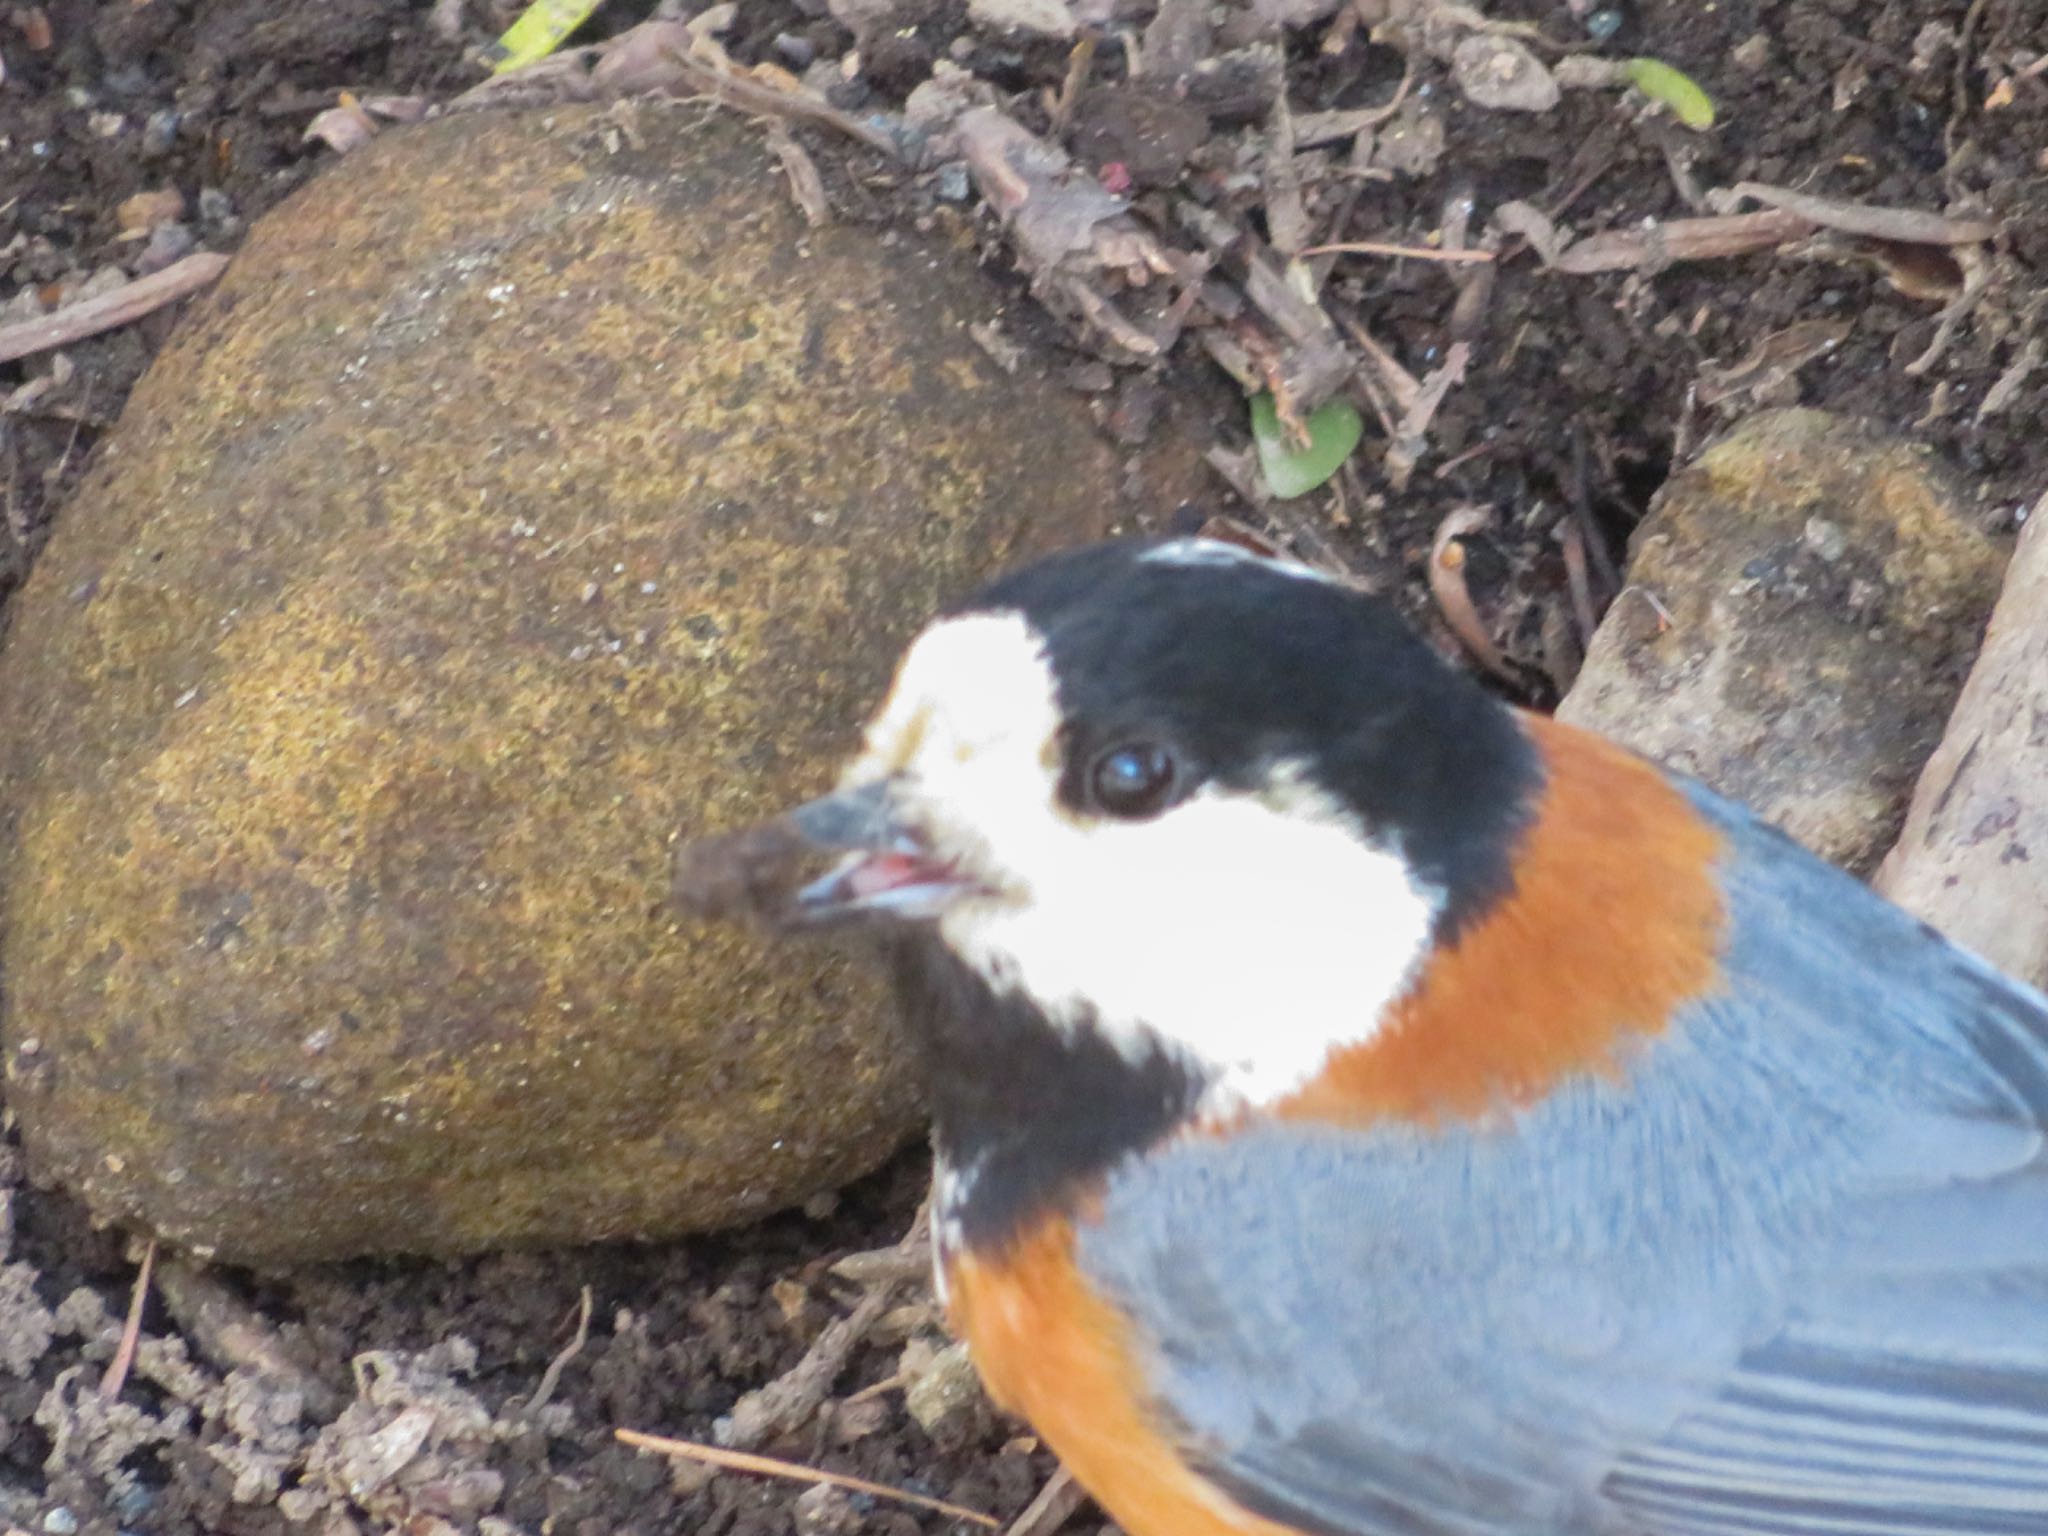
(1580, 391)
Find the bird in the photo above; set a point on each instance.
(1364, 1108)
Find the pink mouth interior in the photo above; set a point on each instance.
(890, 872)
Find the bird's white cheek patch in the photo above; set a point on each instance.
(1253, 934)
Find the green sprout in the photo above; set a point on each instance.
(1333, 431)
(538, 32)
(1678, 91)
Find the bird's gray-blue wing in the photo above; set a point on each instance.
(1788, 1278)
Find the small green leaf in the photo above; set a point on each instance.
(538, 32)
(1660, 82)
(1333, 431)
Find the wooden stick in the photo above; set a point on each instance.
(131, 1331)
(131, 301)
(769, 1466)
(1973, 858)
(1384, 248)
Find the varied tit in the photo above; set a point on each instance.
(1363, 1108)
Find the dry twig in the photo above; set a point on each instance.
(552, 1376)
(1386, 248)
(789, 1400)
(1054, 1507)
(131, 301)
(1652, 246)
(1909, 226)
(805, 184)
(131, 1330)
(1454, 599)
(704, 66)
(770, 1466)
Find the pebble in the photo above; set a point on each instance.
(1038, 18)
(1501, 73)
(160, 132)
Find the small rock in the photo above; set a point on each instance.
(137, 216)
(944, 1394)
(160, 133)
(1292, 15)
(1802, 604)
(1040, 18)
(167, 243)
(861, 17)
(103, 281)
(1502, 74)
(937, 105)
(60, 1522)
(822, 1510)
(1604, 23)
(217, 212)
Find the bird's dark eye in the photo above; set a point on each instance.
(1133, 780)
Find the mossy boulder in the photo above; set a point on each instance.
(530, 488)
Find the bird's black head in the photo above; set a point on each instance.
(1214, 804)
(1165, 823)
(1191, 664)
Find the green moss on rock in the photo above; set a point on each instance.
(513, 503)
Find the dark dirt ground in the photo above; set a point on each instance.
(1572, 411)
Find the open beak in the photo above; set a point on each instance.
(874, 864)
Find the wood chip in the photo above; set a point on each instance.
(1533, 225)
(232, 1335)
(1287, 225)
(1411, 437)
(2006, 389)
(1654, 245)
(1772, 360)
(805, 184)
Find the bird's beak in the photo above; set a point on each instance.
(879, 865)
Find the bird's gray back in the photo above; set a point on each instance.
(1788, 1274)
